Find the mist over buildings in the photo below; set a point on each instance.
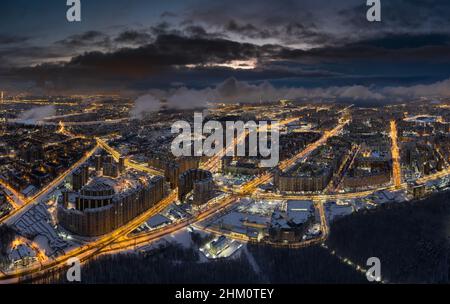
(36, 114)
(234, 91)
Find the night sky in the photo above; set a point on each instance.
(219, 49)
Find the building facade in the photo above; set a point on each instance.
(99, 209)
(200, 182)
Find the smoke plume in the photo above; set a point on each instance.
(36, 114)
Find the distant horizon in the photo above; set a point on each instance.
(197, 49)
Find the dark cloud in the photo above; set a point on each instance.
(133, 37)
(163, 28)
(200, 32)
(248, 30)
(287, 41)
(288, 22)
(318, 23)
(10, 39)
(166, 55)
(169, 50)
(195, 59)
(392, 47)
(89, 38)
(18, 55)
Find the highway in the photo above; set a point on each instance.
(338, 178)
(439, 174)
(85, 252)
(213, 163)
(250, 186)
(304, 243)
(395, 151)
(129, 163)
(44, 192)
(122, 239)
(326, 197)
(16, 199)
(20, 202)
(121, 234)
(74, 123)
(131, 241)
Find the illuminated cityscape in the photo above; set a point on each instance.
(88, 168)
(63, 182)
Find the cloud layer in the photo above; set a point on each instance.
(233, 91)
(284, 48)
